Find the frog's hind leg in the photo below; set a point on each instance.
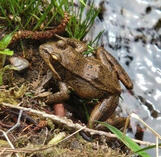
(105, 57)
(118, 122)
(103, 110)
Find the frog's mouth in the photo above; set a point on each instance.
(47, 58)
(55, 74)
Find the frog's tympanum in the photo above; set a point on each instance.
(89, 77)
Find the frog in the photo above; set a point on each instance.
(96, 77)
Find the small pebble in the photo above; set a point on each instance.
(19, 63)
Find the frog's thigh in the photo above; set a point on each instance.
(103, 110)
(106, 57)
(60, 96)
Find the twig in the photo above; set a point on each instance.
(72, 134)
(9, 142)
(157, 148)
(3, 151)
(25, 34)
(17, 124)
(152, 130)
(46, 134)
(30, 150)
(69, 123)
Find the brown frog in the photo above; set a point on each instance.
(89, 77)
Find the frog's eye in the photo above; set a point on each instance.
(61, 44)
(56, 57)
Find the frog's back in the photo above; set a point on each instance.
(100, 76)
(96, 73)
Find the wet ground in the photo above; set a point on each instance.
(132, 33)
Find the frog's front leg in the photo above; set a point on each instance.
(103, 110)
(107, 58)
(60, 96)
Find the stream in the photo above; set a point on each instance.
(132, 34)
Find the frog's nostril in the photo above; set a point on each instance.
(61, 44)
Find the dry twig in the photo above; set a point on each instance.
(17, 124)
(67, 123)
(24, 34)
(9, 142)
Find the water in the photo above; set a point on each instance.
(132, 34)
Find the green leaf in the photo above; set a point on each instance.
(6, 52)
(126, 140)
(147, 148)
(82, 2)
(44, 16)
(5, 41)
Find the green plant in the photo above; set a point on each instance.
(93, 43)
(28, 14)
(126, 140)
(41, 15)
(3, 52)
(82, 19)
